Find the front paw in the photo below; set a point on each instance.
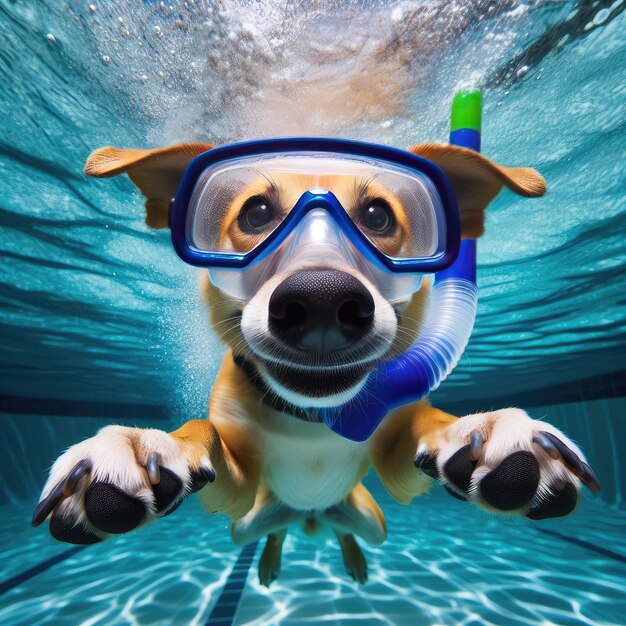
(118, 480)
(507, 462)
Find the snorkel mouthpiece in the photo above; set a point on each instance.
(447, 329)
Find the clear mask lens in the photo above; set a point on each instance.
(236, 205)
(316, 242)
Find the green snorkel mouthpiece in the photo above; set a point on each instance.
(466, 110)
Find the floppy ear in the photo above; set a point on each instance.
(477, 181)
(155, 172)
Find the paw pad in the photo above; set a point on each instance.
(557, 504)
(62, 530)
(459, 468)
(111, 510)
(513, 483)
(167, 490)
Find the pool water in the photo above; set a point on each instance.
(443, 563)
(101, 323)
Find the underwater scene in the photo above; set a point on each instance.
(103, 324)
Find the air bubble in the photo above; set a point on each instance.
(106, 59)
(522, 70)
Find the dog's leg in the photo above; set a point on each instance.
(395, 444)
(124, 477)
(353, 558)
(269, 564)
(502, 461)
(268, 516)
(357, 514)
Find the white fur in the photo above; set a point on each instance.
(307, 465)
(504, 432)
(362, 522)
(260, 521)
(118, 455)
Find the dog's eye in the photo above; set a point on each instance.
(255, 214)
(378, 217)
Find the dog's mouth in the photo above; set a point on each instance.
(314, 383)
(316, 335)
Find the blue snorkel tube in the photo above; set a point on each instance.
(447, 329)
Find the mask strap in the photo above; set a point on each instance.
(429, 360)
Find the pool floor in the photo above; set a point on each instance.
(444, 563)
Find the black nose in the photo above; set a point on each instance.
(321, 310)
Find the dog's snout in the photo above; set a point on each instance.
(321, 310)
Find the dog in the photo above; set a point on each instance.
(262, 457)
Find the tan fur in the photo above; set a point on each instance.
(411, 318)
(234, 492)
(155, 172)
(395, 443)
(477, 181)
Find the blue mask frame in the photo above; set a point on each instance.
(394, 156)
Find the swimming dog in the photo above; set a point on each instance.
(263, 457)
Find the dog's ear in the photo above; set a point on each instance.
(155, 172)
(477, 181)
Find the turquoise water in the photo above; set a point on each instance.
(101, 323)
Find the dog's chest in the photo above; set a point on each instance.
(310, 467)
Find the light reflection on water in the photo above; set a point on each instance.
(444, 563)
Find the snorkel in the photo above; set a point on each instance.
(449, 323)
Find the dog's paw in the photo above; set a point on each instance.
(117, 480)
(507, 462)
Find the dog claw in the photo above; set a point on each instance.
(590, 479)
(154, 474)
(476, 445)
(204, 475)
(570, 460)
(541, 440)
(81, 469)
(64, 489)
(427, 463)
(44, 508)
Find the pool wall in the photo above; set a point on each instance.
(31, 443)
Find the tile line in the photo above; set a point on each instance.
(225, 609)
(584, 544)
(18, 579)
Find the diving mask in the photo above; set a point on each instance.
(247, 210)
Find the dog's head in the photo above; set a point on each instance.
(313, 329)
